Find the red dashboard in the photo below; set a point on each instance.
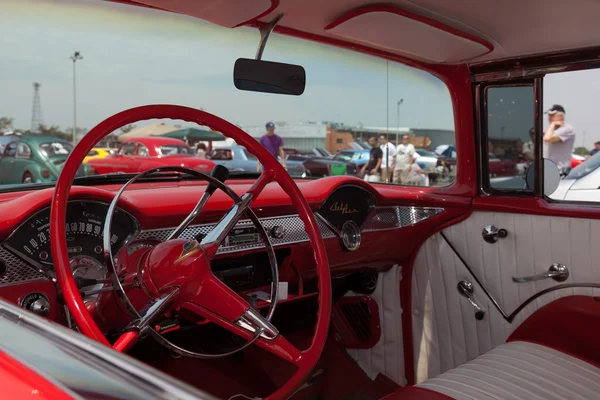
(388, 218)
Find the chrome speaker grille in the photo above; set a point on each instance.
(383, 218)
(292, 226)
(17, 270)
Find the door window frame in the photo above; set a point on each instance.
(481, 114)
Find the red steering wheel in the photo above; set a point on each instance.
(166, 262)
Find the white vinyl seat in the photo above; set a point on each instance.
(523, 371)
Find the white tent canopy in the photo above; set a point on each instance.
(156, 129)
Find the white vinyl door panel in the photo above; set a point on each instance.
(445, 331)
(387, 356)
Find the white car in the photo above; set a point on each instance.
(582, 183)
(427, 160)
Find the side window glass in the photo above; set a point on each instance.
(11, 150)
(510, 121)
(142, 151)
(23, 151)
(128, 149)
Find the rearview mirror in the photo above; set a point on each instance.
(269, 77)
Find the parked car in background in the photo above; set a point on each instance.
(99, 152)
(4, 140)
(576, 160)
(497, 167)
(356, 157)
(426, 159)
(319, 162)
(237, 158)
(35, 159)
(582, 183)
(140, 154)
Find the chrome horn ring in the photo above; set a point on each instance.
(120, 291)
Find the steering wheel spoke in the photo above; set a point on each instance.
(214, 295)
(211, 242)
(277, 345)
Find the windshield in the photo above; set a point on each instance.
(585, 167)
(55, 149)
(172, 149)
(64, 78)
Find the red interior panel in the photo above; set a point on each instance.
(356, 322)
(570, 325)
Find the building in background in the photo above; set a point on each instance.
(334, 136)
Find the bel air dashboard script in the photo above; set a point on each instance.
(347, 203)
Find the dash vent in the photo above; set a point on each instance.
(356, 322)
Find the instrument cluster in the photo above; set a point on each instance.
(84, 227)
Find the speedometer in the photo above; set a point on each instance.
(84, 227)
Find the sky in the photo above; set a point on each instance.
(135, 56)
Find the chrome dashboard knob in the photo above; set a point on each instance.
(41, 307)
(37, 303)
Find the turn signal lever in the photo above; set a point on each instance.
(465, 288)
(219, 172)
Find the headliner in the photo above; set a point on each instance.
(514, 28)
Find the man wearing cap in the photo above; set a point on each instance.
(273, 143)
(595, 149)
(559, 139)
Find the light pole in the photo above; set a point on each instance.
(398, 119)
(76, 56)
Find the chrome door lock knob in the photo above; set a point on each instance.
(491, 234)
(466, 289)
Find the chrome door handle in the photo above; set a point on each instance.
(465, 288)
(491, 234)
(558, 272)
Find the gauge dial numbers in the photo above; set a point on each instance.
(84, 228)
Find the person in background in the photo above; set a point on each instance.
(388, 150)
(415, 175)
(372, 169)
(201, 152)
(404, 158)
(559, 139)
(442, 167)
(527, 153)
(529, 148)
(273, 143)
(595, 149)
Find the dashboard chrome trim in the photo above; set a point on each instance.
(20, 269)
(379, 219)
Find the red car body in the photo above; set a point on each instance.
(576, 160)
(141, 154)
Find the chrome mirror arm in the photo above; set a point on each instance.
(264, 35)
